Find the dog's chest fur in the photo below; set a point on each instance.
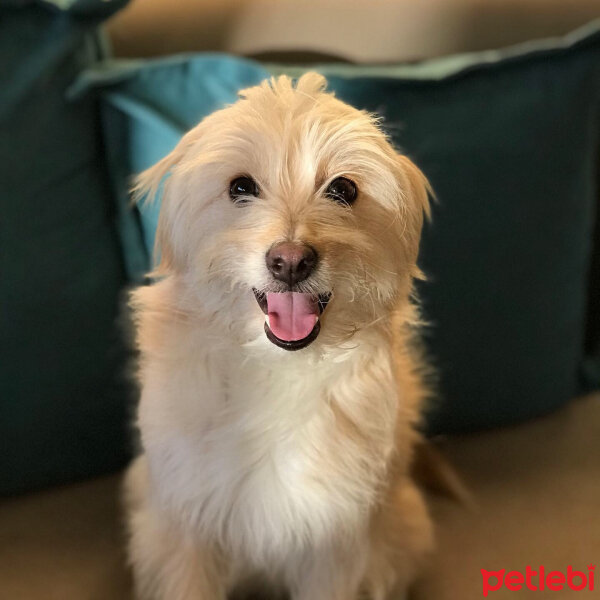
(264, 460)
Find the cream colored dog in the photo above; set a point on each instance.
(280, 377)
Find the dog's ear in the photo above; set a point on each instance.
(416, 196)
(167, 255)
(419, 185)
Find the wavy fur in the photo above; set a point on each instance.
(293, 466)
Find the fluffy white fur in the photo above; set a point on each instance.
(257, 461)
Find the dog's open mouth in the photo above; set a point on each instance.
(292, 318)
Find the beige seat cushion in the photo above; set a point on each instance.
(537, 486)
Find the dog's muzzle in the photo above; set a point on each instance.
(292, 318)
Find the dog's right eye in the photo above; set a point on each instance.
(242, 188)
(342, 190)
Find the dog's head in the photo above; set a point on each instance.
(289, 211)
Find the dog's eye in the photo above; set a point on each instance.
(342, 190)
(242, 188)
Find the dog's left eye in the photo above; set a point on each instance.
(342, 190)
(242, 188)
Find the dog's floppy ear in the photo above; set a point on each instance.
(145, 188)
(417, 193)
(419, 186)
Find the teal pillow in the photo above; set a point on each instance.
(509, 141)
(147, 107)
(62, 398)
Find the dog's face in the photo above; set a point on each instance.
(289, 214)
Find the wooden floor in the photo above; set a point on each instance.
(537, 487)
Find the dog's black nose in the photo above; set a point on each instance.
(291, 262)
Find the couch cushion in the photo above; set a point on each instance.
(62, 400)
(509, 141)
(68, 543)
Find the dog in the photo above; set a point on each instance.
(281, 375)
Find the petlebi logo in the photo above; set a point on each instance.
(538, 580)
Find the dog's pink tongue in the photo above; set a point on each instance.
(292, 315)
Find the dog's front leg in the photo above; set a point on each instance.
(332, 572)
(167, 564)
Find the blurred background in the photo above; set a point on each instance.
(498, 101)
(362, 31)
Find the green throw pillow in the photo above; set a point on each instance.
(62, 398)
(509, 141)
